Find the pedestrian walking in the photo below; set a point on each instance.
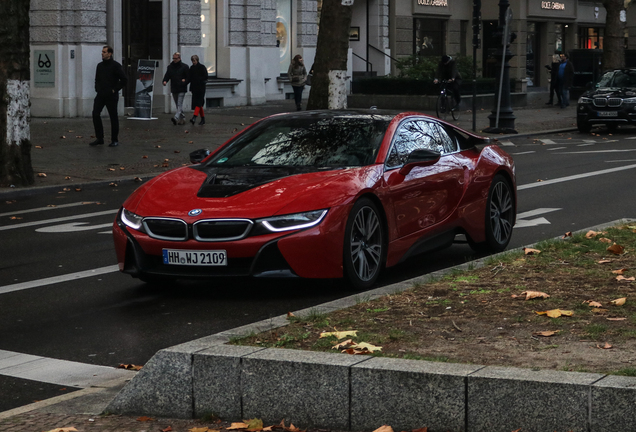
(198, 78)
(553, 70)
(297, 75)
(564, 79)
(109, 80)
(177, 73)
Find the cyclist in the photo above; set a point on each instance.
(447, 70)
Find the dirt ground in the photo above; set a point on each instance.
(482, 316)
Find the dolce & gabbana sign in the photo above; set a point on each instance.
(552, 5)
(553, 9)
(438, 3)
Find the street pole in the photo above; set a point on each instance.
(476, 44)
(502, 119)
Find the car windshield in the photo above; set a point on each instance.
(316, 141)
(618, 78)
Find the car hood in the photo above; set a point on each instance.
(249, 192)
(606, 92)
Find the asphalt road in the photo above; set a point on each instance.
(566, 183)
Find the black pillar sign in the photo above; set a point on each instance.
(144, 90)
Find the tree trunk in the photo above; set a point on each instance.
(614, 40)
(328, 89)
(15, 148)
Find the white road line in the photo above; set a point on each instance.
(634, 137)
(536, 212)
(522, 153)
(57, 279)
(622, 160)
(72, 227)
(62, 219)
(599, 151)
(47, 208)
(586, 144)
(59, 372)
(556, 148)
(507, 143)
(575, 177)
(547, 141)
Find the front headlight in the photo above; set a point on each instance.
(292, 221)
(585, 100)
(630, 100)
(130, 219)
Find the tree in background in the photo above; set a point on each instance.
(15, 147)
(328, 83)
(614, 40)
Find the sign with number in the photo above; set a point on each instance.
(44, 68)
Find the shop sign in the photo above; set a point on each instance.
(44, 68)
(552, 5)
(438, 3)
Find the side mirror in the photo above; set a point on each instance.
(198, 155)
(419, 158)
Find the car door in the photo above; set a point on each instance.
(427, 195)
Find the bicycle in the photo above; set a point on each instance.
(446, 103)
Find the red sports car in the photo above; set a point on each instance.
(319, 194)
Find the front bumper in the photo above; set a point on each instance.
(588, 113)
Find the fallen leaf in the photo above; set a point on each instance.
(63, 137)
(157, 146)
(290, 315)
(591, 234)
(424, 429)
(592, 303)
(112, 184)
(599, 311)
(78, 189)
(530, 251)
(66, 429)
(122, 168)
(15, 218)
(567, 234)
(367, 347)
(619, 302)
(605, 240)
(616, 319)
(624, 279)
(605, 261)
(41, 175)
(137, 179)
(384, 428)
(339, 335)
(38, 147)
(111, 169)
(168, 429)
(144, 157)
(67, 178)
(616, 249)
(165, 165)
(129, 367)
(535, 294)
(201, 429)
(619, 271)
(292, 428)
(344, 344)
(237, 425)
(145, 419)
(254, 425)
(606, 346)
(546, 333)
(555, 313)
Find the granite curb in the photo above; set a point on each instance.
(332, 391)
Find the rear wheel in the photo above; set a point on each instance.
(364, 245)
(500, 215)
(455, 111)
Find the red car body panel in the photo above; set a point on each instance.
(449, 195)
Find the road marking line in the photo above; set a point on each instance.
(47, 208)
(575, 177)
(634, 137)
(62, 219)
(522, 153)
(622, 160)
(586, 144)
(72, 227)
(599, 151)
(57, 279)
(59, 372)
(507, 143)
(547, 141)
(536, 212)
(556, 148)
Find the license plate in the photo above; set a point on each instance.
(608, 113)
(194, 257)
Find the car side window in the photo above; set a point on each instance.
(418, 135)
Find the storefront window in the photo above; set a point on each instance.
(283, 33)
(591, 37)
(531, 49)
(559, 31)
(429, 37)
(208, 34)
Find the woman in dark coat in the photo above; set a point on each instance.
(198, 78)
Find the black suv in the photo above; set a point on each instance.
(611, 101)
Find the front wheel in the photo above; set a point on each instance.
(442, 106)
(364, 245)
(500, 216)
(583, 126)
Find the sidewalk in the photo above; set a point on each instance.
(62, 157)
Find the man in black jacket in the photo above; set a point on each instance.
(109, 79)
(178, 75)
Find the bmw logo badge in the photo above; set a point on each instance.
(195, 212)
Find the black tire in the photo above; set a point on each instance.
(155, 279)
(442, 107)
(456, 111)
(364, 252)
(500, 215)
(583, 126)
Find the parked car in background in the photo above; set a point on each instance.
(610, 102)
(319, 194)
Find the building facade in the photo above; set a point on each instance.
(247, 45)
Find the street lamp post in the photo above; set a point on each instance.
(502, 119)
